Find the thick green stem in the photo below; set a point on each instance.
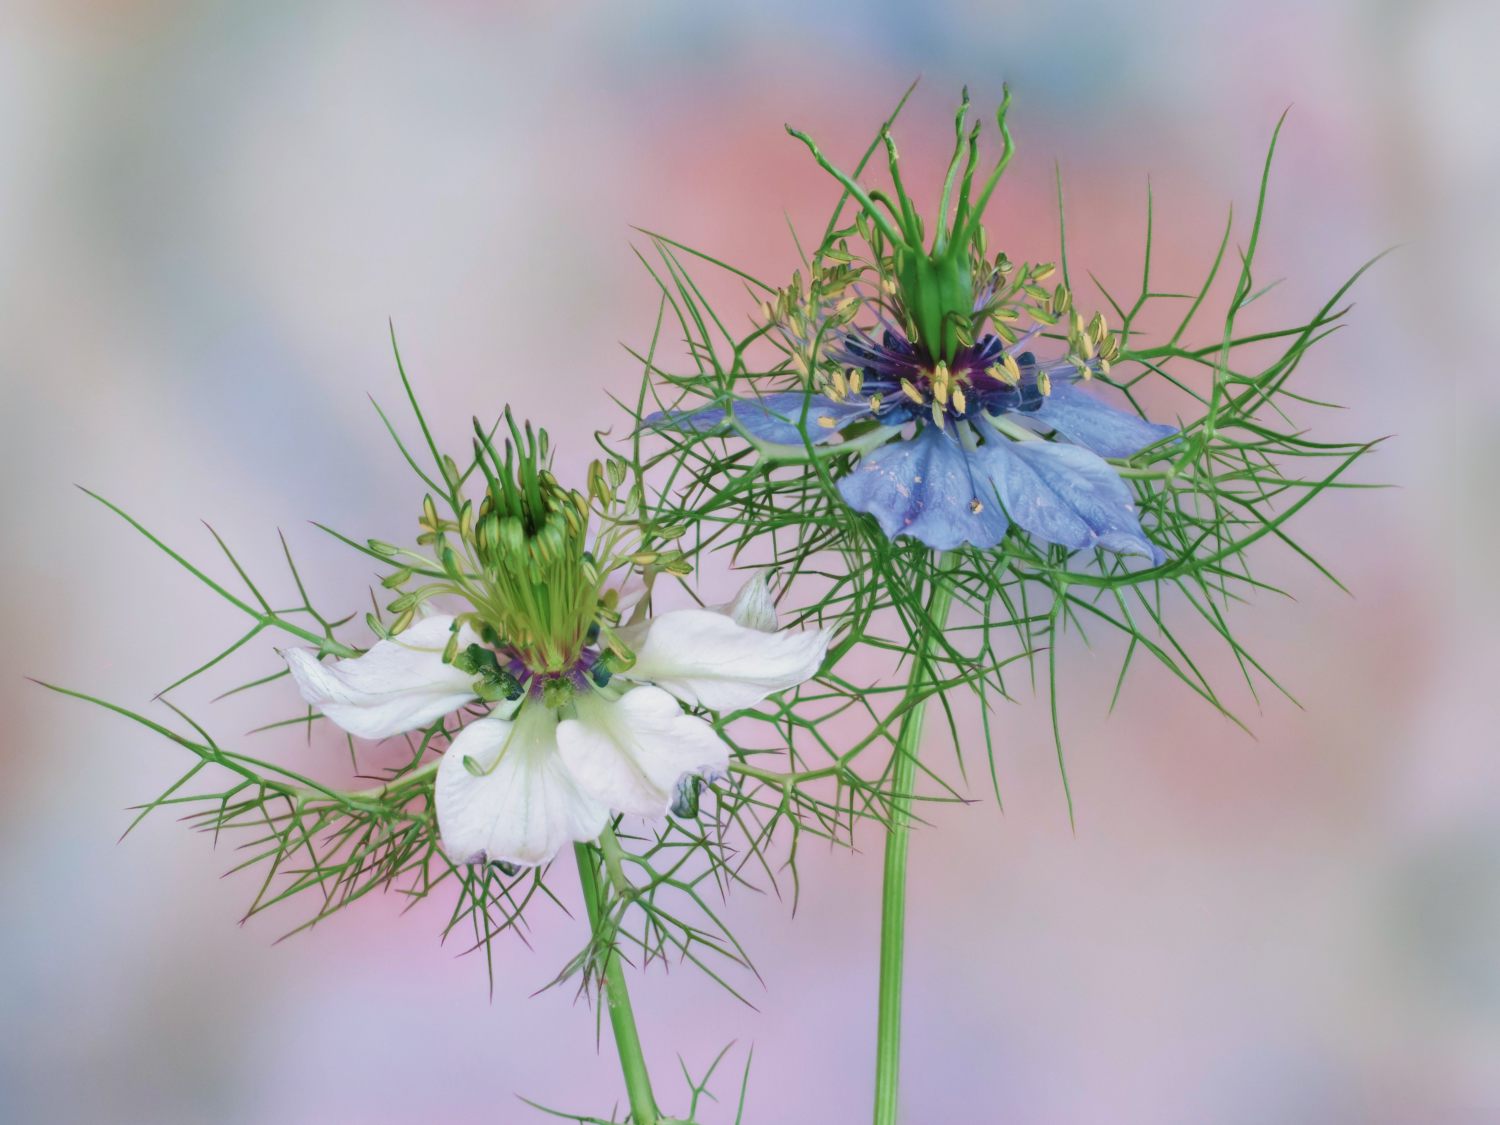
(616, 994)
(897, 844)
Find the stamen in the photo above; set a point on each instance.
(960, 403)
(976, 505)
(826, 422)
(1098, 329)
(937, 415)
(1007, 370)
(856, 379)
(912, 393)
(1044, 382)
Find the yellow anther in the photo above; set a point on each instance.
(960, 403)
(1061, 300)
(940, 385)
(875, 403)
(911, 392)
(937, 415)
(976, 505)
(1011, 368)
(840, 386)
(826, 422)
(1044, 382)
(856, 379)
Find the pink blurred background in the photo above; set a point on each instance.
(207, 213)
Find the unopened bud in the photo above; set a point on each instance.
(685, 796)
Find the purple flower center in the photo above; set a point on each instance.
(580, 676)
(904, 384)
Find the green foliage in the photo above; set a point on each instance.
(1239, 473)
(325, 848)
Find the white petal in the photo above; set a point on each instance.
(752, 606)
(526, 807)
(705, 658)
(401, 684)
(630, 753)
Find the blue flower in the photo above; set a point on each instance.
(992, 438)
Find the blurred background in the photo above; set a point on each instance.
(209, 211)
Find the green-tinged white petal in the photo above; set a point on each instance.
(708, 659)
(629, 753)
(752, 606)
(401, 684)
(523, 806)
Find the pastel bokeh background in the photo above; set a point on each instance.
(208, 212)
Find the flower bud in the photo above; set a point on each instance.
(685, 796)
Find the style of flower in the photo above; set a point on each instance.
(962, 452)
(570, 747)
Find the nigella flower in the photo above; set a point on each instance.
(533, 775)
(961, 430)
(589, 715)
(966, 449)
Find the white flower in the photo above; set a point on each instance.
(536, 781)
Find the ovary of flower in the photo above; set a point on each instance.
(543, 777)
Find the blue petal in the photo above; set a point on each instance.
(773, 417)
(926, 488)
(1066, 495)
(1084, 420)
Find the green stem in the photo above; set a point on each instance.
(897, 844)
(643, 1109)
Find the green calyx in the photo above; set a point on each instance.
(933, 282)
(540, 588)
(539, 565)
(520, 557)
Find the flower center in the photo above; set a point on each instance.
(556, 688)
